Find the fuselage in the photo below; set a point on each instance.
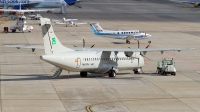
(42, 4)
(93, 62)
(122, 34)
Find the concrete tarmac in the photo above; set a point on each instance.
(25, 80)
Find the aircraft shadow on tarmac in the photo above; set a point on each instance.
(65, 76)
(122, 43)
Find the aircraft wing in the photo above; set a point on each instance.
(30, 5)
(9, 10)
(67, 20)
(108, 49)
(60, 23)
(13, 10)
(129, 37)
(80, 23)
(26, 46)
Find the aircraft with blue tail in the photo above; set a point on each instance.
(127, 35)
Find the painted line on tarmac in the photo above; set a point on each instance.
(88, 108)
(183, 61)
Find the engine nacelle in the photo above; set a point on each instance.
(132, 54)
(128, 54)
(70, 2)
(18, 7)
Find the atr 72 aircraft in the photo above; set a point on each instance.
(28, 4)
(92, 60)
(127, 35)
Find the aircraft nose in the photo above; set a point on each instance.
(148, 35)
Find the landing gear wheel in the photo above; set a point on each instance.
(158, 71)
(83, 74)
(127, 41)
(66, 25)
(136, 72)
(173, 74)
(57, 73)
(149, 41)
(112, 73)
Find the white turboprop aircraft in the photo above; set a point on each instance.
(92, 60)
(127, 35)
(67, 22)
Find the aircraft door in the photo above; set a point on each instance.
(78, 60)
(132, 60)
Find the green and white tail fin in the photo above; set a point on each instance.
(51, 43)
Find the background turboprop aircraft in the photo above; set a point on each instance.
(128, 34)
(92, 60)
(28, 4)
(196, 3)
(67, 22)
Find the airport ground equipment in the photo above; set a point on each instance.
(35, 17)
(21, 26)
(5, 29)
(166, 66)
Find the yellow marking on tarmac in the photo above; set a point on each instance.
(139, 99)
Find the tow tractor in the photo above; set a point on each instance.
(21, 26)
(166, 66)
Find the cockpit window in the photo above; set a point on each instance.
(168, 62)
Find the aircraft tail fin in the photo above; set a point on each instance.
(63, 20)
(96, 28)
(51, 43)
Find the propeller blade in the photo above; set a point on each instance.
(147, 46)
(92, 46)
(138, 43)
(83, 44)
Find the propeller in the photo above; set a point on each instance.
(83, 44)
(92, 46)
(140, 52)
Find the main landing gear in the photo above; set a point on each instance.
(127, 41)
(57, 72)
(83, 74)
(112, 73)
